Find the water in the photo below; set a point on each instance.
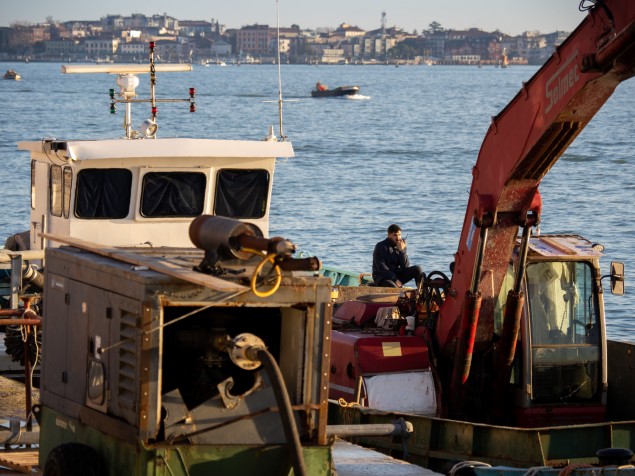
(402, 153)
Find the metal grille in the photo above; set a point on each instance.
(127, 365)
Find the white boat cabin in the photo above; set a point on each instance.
(128, 192)
(141, 190)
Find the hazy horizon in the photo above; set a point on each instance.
(509, 16)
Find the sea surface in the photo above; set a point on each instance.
(402, 152)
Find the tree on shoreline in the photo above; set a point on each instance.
(434, 27)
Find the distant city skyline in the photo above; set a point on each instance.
(509, 16)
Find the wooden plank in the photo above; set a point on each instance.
(160, 265)
(22, 461)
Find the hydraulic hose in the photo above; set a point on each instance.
(286, 413)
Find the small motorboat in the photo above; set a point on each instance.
(322, 91)
(11, 74)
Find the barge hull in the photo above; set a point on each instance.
(436, 442)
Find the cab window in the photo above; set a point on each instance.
(173, 194)
(55, 187)
(565, 330)
(67, 184)
(241, 193)
(103, 193)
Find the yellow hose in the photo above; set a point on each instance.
(254, 278)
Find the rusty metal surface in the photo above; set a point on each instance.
(130, 317)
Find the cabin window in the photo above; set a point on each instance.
(55, 187)
(33, 184)
(67, 182)
(173, 194)
(565, 332)
(241, 193)
(103, 193)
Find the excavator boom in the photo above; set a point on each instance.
(522, 144)
(517, 337)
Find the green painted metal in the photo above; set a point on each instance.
(126, 458)
(340, 277)
(437, 441)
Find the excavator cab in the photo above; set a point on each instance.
(559, 373)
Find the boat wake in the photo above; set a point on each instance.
(357, 97)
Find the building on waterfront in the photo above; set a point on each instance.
(101, 48)
(253, 39)
(125, 38)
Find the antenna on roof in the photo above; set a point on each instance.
(282, 137)
(128, 80)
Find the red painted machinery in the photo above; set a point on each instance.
(517, 335)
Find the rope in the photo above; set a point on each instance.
(570, 468)
(348, 416)
(344, 404)
(535, 470)
(467, 464)
(24, 335)
(31, 415)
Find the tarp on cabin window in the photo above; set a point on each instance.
(103, 193)
(241, 193)
(173, 194)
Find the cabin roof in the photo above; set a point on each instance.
(563, 246)
(158, 148)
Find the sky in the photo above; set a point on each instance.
(509, 16)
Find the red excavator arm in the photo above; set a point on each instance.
(523, 142)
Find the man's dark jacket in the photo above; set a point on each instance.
(386, 259)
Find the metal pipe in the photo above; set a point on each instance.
(31, 275)
(16, 435)
(153, 82)
(20, 317)
(28, 383)
(218, 235)
(396, 428)
(506, 346)
(15, 280)
(5, 255)
(276, 245)
(464, 349)
(467, 335)
(301, 264)
(20, 322)
(476, 277)
(505, 352)
(468, 325)
(522, 262)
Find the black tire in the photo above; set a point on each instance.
(14, 345)
(74, 459)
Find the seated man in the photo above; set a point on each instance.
(391, 266)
